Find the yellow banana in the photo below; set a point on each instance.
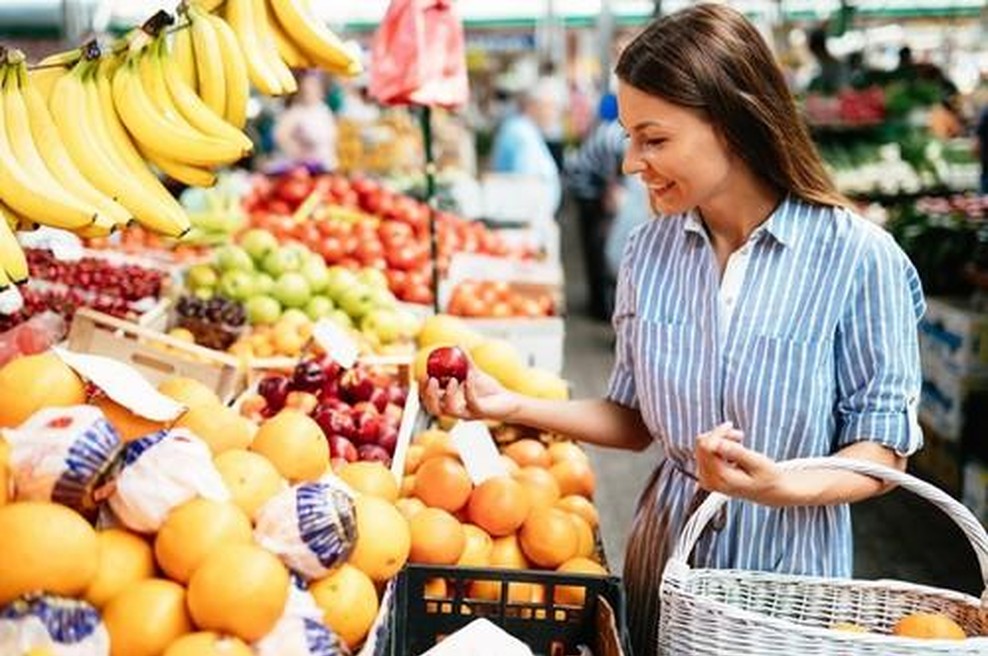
(57, 158)
(44, 79)
(156, 133)
(206, 5)
(289, 52)
(193, 176)
(154, 84)
(235, 73)
(185, 57)
(314, 38)
(209, 62)
(102, 227)
(30, 196)
(68, 58)
(19, 222)
(84, 134)
(5, 281)
(12, 260)
(195, 110)
(240, 16)
(266, 40)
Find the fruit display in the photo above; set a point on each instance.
(500, 299)
(222, 531)
(215, 323)
(357, 411)
(358, 222)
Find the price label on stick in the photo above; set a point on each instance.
(336, 341)
(477, 450)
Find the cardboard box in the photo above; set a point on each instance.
(953, 336)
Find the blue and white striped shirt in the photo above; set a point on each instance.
(821, 352)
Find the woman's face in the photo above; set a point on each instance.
(678, 155)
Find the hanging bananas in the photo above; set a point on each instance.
(313, 38)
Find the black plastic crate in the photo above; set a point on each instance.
(419, 621)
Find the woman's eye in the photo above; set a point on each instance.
(655, 142)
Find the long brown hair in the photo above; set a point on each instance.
(710, 58)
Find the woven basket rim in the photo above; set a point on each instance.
(671, 579)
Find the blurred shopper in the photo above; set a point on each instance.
(305, 133)
(594, 179)
(832, 75)
(759, 319)
(554, 93)
(520, 148)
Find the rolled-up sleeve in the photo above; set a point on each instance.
(877, 352)
(621, 388)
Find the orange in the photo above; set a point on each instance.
(207, 643)
(189, 392)
(146, 617)
(413, 458)
(436, 442)
(371, 478)
(574, 477)
(518, 593)
(437, 537)
(129, 426)
(193, 530)
(407, 486)
(510, 465)
(239, 589)
(32, 382)
(443, 482)
(477, 549)
(349, 603)
(383, 538)
(543, 490)
(294, 444)
(585, 538)
(408, 507)
(499, 505)
(46, 547)
(250, 478)
(218, 426)
(548, 537)
(572, 595)
(930, 626)
(527, 453)
(435, 589)
(507, 554)
(581, 506)
(124, 559)
(559, 451)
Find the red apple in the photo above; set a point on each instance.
(356, 386)
(341, 447)
(368, 428)
(388, 439)
(379, 397)
(447, 363)
(374, 453)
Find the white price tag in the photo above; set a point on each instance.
(11, 301)
(123, 384)
(63, 245)
(478, 451)
(336, 341)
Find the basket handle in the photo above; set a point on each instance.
(963, 517)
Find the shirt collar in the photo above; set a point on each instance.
(781, 225)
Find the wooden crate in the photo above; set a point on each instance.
(154, 354)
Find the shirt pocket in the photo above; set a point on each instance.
(786, 388)
(673, 375)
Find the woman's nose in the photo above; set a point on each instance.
(632, 164)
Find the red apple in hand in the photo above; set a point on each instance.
(447, 363)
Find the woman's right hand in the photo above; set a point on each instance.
(480, 396)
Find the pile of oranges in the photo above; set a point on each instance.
(538, 516)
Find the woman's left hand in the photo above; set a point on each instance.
(725, 465)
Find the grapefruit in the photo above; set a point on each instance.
(218, 426)
(371, 478)
(294, 444)
(193, 530)
(383, 539)
(581, 506)
(409, 506)
(124, 559)
(477, 549)
(549, 537)
(46, 547)
(574, 477)
(542, 487)
(437, 537)
(528, 453)
(585, 543)
(250, 478)
(349, 603)
(442, 482)
(32, 382)
(189, 392)
(499, 505)
(239, 589)
(559, 451)
(146, 617)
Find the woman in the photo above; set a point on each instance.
(306, 131)
(757, 320)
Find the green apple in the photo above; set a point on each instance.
(317, 274)
(282, 261)
(319, 307)
(258, 243)
(383, 298)
(373, 278)
(262, 310)
(357, 301)
(295, 316)
(341, 318)
(201, 276)
(233, 258)
(340, 280)
(384, 323)
(205, 293)
(292, 290)
(263, 284)
(237, 285)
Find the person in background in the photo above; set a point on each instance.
(981, 136)
(555, 94)
(832, 75)
(594, 179)
(519, 147)
(305, 133)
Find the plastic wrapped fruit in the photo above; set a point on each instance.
(295, 636)
(61, 455)
(160, 472)
(56, 625)
(311, 526)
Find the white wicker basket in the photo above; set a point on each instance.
(736, 612)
